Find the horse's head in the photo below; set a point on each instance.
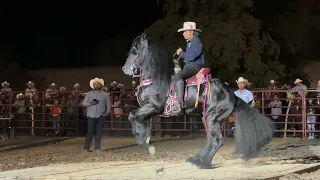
(136, 55)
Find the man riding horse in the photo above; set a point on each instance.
(193, 59)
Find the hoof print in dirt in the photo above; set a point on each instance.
(199, 163)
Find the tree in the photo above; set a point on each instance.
(300, 27)
(233, 41)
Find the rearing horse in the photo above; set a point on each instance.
(151, 61)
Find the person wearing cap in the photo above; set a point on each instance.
(300, 86)
(193, 59)
(243, 93)
(97, 103)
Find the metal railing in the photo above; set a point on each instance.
(39, 118)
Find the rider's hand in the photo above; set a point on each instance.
(179, 50)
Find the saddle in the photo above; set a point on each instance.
(202, 77)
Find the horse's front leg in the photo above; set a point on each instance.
(139, 119)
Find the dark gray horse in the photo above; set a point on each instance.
(151, 61)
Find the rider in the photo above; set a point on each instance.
(193, 58)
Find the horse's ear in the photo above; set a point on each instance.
(144, 35)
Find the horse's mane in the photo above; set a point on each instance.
(158, 63)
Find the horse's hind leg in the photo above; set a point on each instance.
(215, 140)
(140, 128)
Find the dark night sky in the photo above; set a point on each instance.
(48, 34)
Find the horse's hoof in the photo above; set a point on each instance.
(152, 150)
(199, 163)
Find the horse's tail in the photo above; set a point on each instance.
(253, 130)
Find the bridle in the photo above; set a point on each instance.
(136, 65)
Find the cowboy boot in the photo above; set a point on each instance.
(180, 93)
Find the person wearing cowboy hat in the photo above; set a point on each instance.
(51, 92)
(97, 103)
(76, 90)
(243, 93)
(113, 85)
(30, 90)
(272, 87)
(5, 87)
(299, 86)
(193, 59)
(20, 106)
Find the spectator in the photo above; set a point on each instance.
(51, 92)
(55, 111)
(272, 87)
(276, 112)
(98, 107)
(68, 110)
(134, 84)
(114, 89)
(121, 90)
(5, 87)
(20, 106)
(105, 89)
(63, 93)
(114, 85)
(296, 108)
(118, 112)
(31, 90)
(4, 105)
(247, 83)
(311, 118)
(300, 86)
(243, 93)
(76, 90)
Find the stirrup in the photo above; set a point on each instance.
(176, 107)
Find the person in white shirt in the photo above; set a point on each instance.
(243, 93)
(300, 86)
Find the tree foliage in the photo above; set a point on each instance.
(233, 41)
(300, 28)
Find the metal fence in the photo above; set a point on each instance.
(37, 118)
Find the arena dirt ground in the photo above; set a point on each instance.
(66, 160)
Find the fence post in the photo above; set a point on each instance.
(77, 117)
(304, 119)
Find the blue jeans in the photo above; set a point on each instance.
(95, 128)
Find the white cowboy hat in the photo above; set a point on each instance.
(76, 85)
(272, 81)
(133, 82)
(53, 84)
(297, 81)
(101, 81)
(62, 87)
(240, 80)
(30, 83)
(114, 82)
(2, 84)
(120, 85)
(189, 26)
(18, 95)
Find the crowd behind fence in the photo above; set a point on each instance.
(63, 115)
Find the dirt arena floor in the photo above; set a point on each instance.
(122, 160)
